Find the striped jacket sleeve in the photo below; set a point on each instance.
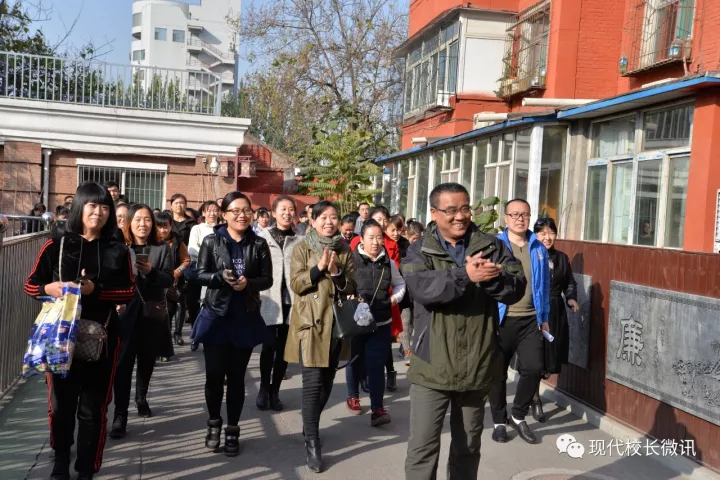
(119, 289)
(42, 271)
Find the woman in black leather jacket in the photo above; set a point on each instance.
(143, 338)
(235, 265)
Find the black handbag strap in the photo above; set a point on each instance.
(62, 248)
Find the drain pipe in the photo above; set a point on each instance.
(46, 178)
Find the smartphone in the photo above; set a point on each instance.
(143, 257)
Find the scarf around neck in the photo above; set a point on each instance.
(318, 243)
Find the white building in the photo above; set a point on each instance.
(197, 38)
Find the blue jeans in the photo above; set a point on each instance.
(373, 347)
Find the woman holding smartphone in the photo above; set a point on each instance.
(102, 265)
(144, 338)
(235, 266)
(321, 268)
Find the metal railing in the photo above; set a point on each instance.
(17, 310)
(196, 42)
(16, 225)
(90, 82)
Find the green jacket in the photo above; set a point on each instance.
(455, 344)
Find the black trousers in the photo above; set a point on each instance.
(85, 392)
(521, 336)
(221, 362)
(192, 301)
(272, 356)
(317, 386)
(140, 345)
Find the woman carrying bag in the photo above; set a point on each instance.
(181, 262)
(144, 322)
(322, 268)
(277, 303)
(562, 283)
(235, 265)
(102, 265)
(375, 275)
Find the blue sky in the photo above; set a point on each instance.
(98, 20)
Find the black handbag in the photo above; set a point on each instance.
(152, 310)
(345, 326)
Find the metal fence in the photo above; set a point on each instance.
(17, 310)
(16, 225)
(90, 82)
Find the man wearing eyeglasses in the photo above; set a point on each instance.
(521, 325)
(457, 275)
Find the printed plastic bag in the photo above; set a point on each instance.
(52, 336)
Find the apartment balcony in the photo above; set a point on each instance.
(79, 81)
(194, 44)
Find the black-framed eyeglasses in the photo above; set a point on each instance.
(518, 215)
(452, 211)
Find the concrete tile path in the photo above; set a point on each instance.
(170, 444)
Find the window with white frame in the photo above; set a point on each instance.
(431, 69)
(636, 194)
(450, 166)
(178, 36)
(423, 177)
(387, 185)
(138, 55)
(137, 184)
(412, 168)
(160, 34)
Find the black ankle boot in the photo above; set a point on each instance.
(143, 407)
(212, 439)
(232, 441)
(392, 381)
(314, 455)
(262, 398)
(119, 427)
(275, 402)
(61, 468)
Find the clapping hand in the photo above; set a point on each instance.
(480, 269)
(334, 265)
(325, 260)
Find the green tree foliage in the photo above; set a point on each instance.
(16, 33)
(485, 214)
(338, 164)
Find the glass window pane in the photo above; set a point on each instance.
(522, 163)
(595, 202)
(494, 150)
(387, 185)
(490, 179)
(668, 128)
(480, 160)
(620, 202)
(615, 137)
(136, 19)
(456, 157)
(179, 36)
(551, 165)
(402, 181)
(467, 165)
(676, 196)
(452, 67)
(423, 169)
(508, 142)
(647, 202)
(503, 190)
(161, 34)
(438, 166)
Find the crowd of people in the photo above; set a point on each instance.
(460, 302)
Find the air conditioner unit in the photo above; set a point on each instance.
(477, 124)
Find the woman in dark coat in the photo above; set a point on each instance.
(102, 265)
(235, 266)
(562, 283)
(142, 338)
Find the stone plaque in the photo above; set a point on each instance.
(579, 323)
(666, 345)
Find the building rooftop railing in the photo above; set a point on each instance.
(91, 82)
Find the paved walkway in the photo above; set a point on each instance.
(170, 444)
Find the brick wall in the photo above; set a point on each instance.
(20, 177)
